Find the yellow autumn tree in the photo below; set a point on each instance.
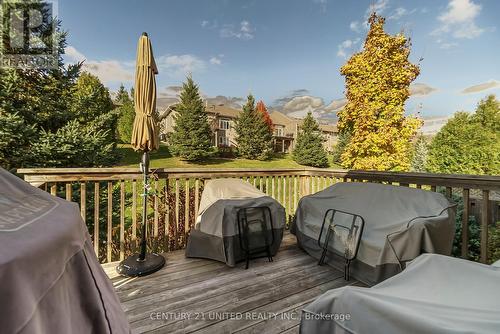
(378, 82)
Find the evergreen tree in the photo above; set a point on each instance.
(468, 144)
(420, 151)
(126, 115)
(192, 138)
(122, 96)
(37, 104)
(339, 148)
(377, 85)
(309, 148)
(254, 132)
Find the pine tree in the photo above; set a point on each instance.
(192, 138)
(253, 132)
(122, 96)
(420, 150)
(126, 115)
(339, 148)
(377, 86)
(309, 149)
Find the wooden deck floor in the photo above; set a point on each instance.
(203, 296)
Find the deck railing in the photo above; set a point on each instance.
(110, 199)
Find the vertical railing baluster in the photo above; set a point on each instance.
(69, 191)
(196, 198)
(53, 189)
(176, 213)
(155, 214)
(485, 208)
(295, 193)
(465, 224)
(83, 201)
(290, 194)
(186, 210)
(96, 218)
(109, 232)
(449, 192)
(167, 210)
(278, 184)
(122, 220)
(134, 214)
(272, 186)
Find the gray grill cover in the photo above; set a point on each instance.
(50, 278)
(400, 224)
(434, 294)
(215, 235)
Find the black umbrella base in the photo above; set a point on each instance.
(132, 267)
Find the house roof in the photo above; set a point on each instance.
(279, 118)
(223, 110)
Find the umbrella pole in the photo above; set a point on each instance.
(142, 264)
(145, 171)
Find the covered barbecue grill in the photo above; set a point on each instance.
(225, 205)
(400, 223)
(51, 280)
(434, 294)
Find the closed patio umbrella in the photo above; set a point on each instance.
(145, 139)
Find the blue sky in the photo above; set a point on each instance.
(288, 52)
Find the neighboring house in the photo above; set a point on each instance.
(286, 129)
(222, 121)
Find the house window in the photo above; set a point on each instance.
(223, 141)
(224, 124)
(278, 132)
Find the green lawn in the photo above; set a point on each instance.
(163, 159)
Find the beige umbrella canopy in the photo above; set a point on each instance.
(145, 131)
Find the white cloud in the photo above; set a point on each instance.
(108, 71)
(398, 13)
(73, 54)
(421, 89)
(180, 64)
(215, 61)
(446, 45)
(378, 7)
(298, 105)
(206, 24)
(355, 26)
(345, 48)
(115, 71)
(459, 20)
(336, 105)
(492, 84)
(244, 31)
(322, 4)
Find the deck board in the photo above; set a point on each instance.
(203, 296)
